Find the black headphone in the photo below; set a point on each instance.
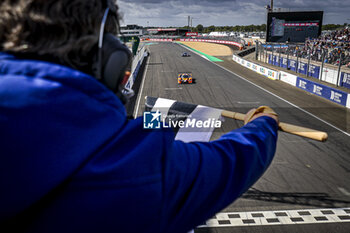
(112, 66)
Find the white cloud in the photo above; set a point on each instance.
(225, 12)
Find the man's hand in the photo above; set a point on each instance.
(261, 111)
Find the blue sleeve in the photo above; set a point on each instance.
(200, 179)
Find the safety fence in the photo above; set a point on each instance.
(135, 67)
(332, 94)
(286, 56)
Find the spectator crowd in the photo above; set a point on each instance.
(334, 44)
(331, 45)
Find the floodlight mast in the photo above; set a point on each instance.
(271, 6)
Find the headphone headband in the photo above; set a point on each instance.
(100, 44)
(113, 58)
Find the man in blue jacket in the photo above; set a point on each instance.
(70, 161)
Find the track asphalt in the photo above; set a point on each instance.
(305, 174)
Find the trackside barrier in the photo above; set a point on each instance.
(135, 67)
(246, 52)
(326, 92)
(271, 74)
(160, 40)
(326, 74)
(332, 94)
(294, 65)
(345, 79)
(288, 78)
(240, 46)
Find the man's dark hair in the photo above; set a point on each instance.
(64, 31)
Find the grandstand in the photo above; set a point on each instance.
(331, 48)
(326, 58)
(334, 45)
(170, 32)
(132, 30)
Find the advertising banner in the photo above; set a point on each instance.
(330, 75)
(234, 58)
(249, 65)
(288, 78)
(191, 33)
(284, 62)
(275, 60)
(329, 93)
(161, 40)
(314, 71)
(272, 74)
(345, 80)
(255, 67)
(302, 68)
(237, 59)
(270, 59)
(292, 65)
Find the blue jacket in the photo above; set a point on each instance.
(70, 161)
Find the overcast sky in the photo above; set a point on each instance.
(221, 13)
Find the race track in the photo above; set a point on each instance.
(305, 174)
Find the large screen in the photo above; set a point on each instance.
(293, 26)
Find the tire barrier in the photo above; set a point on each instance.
(246, 52)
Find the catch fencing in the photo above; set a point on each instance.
(306, 61)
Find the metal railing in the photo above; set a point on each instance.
(324, 63)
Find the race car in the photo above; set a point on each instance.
(185, 55)
(184, 78)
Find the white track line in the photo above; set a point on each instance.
(278, 217)
(344, 191)
(141, 89)
(346, 133)
(273, 217)
(329, 124)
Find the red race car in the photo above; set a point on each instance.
(184, 78)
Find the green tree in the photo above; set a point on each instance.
(330, 26)
(199, 28)
(211, 28)
(237, 28)
(262, 27)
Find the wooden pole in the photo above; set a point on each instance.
(288, 128)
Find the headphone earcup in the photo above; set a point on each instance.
(114, 69)
(115, 59)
